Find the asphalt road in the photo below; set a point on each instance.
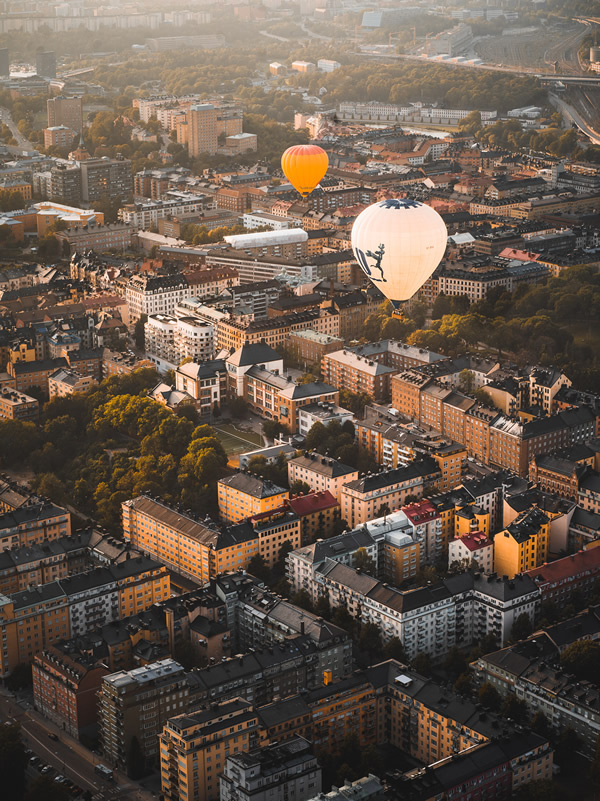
(22, 143)
(573, 116)
(68, 757)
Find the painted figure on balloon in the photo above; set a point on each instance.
(378, 256)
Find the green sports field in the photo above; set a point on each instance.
(236, 441)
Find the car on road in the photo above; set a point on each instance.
(52, 736)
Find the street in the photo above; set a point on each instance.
(22, 143)
(68, 756)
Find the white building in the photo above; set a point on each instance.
(145, 215)
(259, 219)
(475, 547)
(155, 294)
(456, 611)
(327, 65)
(303, 563)
(169, 340)
(276, 772)
(257, 354)
(321, 413)
(206, 383)
(271, 454)
(413, 112)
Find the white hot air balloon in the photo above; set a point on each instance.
(398, 244)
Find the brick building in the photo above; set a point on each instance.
(65, 688)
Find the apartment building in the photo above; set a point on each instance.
(324, 413)
(272, 773)
(34, 373)
(35, 618)
(531, 670)
(475, 548)
(384, 704)
(203, 134)
(557, 475)
(105, 177)
(168, 340)
(524, 544)
(197, 547)
(576, 573)
(245, 495)
(117, 363)
(260, 619)
(65, 111)
(348, 370)
(165, 690)
(42, 562)
(65, 688)
(153, 294)
(14, 495)
(64, 382)
(206, 383)
(317, 513)
(302, 563)
(321, 473)
(117, 237)
(17, 406)
(487, 434)
(194, 747)
(459, 609)
(59, 136)
(486, 770)
(34, 523)
(173, 204)
(363, 498)
(309, 347)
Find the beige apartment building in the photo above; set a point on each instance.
(321, 473)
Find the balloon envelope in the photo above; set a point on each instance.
(304, 166)
(398, 244)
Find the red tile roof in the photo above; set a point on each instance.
(476, 541)
(314, 502)
(420, 512)
(562, 569)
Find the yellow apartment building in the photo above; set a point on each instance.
(451, 460)
(523, 545)
(273, 529)
(386, 703)
(193, 748)
(34, 618)
(244, 495)
(470, 518)
(33, 524)
(197, 548)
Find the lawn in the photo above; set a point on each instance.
(236, 441)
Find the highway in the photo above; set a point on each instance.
(67, 756)
(573, 116)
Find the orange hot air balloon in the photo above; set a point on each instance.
(304, 166)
